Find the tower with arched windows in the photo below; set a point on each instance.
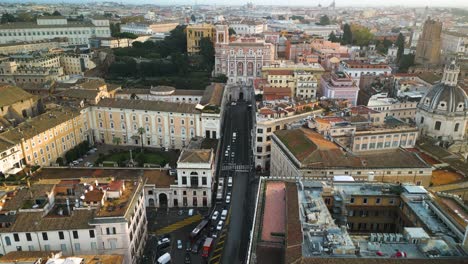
(443, 111)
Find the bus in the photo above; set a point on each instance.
(196, 231)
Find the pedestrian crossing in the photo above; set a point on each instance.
(241, 168)
(178, 225)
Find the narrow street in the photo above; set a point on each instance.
(238, 165)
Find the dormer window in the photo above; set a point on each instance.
(442, 105)
(426, 101)
(460, 107)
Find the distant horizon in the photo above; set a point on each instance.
(298, 3)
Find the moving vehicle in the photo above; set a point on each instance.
(164, 242)
(196, 247)
(224, 214)
(229, 182)
(188, 259)
(228, 199)
(188, 246)
(164, 259)
(207, 247)
(220, 191)
(196, 231)
(220, 225)
(215, 216)
(179, 244)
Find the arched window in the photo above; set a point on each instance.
(437, 125)
(457, 125)
(7, 241)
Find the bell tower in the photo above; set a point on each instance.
(451, 72)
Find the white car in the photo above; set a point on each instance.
(164, 241)
(233, 154)
(179, 244)
(226, 154)
(228, 199)
(220, 225)
(233, 103)
(215, 216)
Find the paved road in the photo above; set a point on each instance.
(239, 120)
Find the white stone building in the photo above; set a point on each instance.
(443, 112)
(248, 27)
(242, 60)
(356, 68)
(51, 27)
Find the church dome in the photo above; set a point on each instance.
(446, 97)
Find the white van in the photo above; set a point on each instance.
(224, 214)
(229, 182)
(164, 259)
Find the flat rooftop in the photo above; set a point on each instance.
(275, 208)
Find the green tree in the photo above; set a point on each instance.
(361, 35)
(176, 41)
(116, 140)
(56, 13)
(347, 35)
(221, 78)
(281, 17)
(7, 18)
(406, 62)
(231, 32)
(324, 20)
(180, 61)
(125, 35)
(333, 38)
(141, 131)
(60, 161)
(207, 51)
(115, 29)
(193, 18)
(400, 43)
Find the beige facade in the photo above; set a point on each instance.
(48, 136)
(40, 45)
(429, 43)
(169, 125)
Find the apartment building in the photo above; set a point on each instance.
(305, 153)
(198, 31)
(77, 216)
(248, 27)
(77, 33)
(312, 68)
(48, 136)
(242, 60)
(12, 73)
(339, 85)
(273, 117)
(31, 46)
(356, 68)
(404, 110)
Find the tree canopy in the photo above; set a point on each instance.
(361, 36)
(56, 13)
(333, 38)
(324, 20)
(232, 31)
(347, 35)
(207, 52)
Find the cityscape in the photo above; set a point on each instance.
(216, 132)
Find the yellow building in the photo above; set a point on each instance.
(48, 136)
(195, 33)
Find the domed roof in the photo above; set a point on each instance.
(334, 60)
(445, 99)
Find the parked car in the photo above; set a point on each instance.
(179, 244)
(215, 216)
(224, 214)
(188, 246)
(214, 234)
(220, 225)
(80, 160)
(228, 199)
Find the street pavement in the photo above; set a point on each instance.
(238, 165)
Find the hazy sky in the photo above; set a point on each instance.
(374, 3)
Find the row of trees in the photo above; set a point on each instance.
(75, 153)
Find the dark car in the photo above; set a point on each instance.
(188, 259)
(196, 247)
(188, 246)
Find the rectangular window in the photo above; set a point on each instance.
(16, 237)
(259, 139)
(75, 234)
(351, 200)
(77, 247)
(204, 182)
(364, 200)
(184, 180)
(63, 247)
(46, 247)
(61, 236)
(44, 236)
(377, 200)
